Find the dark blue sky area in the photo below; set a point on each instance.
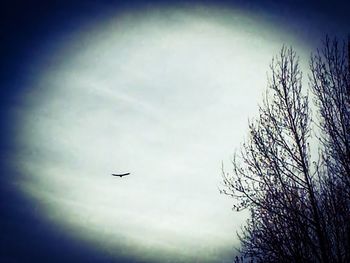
(26, 27)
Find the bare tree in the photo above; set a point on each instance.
(330, 82)
(298, 214)
(291, 204)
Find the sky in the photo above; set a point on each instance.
(162, 90)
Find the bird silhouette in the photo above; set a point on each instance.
(121, 175)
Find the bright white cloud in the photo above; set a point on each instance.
(164, 94)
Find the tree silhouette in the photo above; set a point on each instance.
(330, 82)
(292, 201)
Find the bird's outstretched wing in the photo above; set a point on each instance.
(121, 175)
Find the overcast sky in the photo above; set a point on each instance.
(163, 91)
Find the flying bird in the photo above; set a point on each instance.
(121, 175)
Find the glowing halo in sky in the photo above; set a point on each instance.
(163, 93)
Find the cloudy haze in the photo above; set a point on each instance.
(163, 93)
